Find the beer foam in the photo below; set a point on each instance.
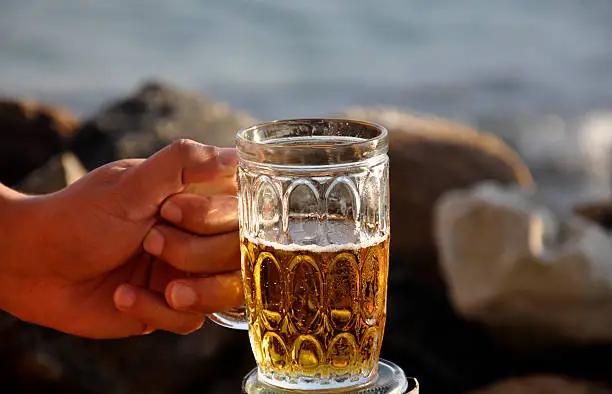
(329, 248)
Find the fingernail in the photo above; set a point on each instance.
(154, 242)
(227, 157)
(171, 212)
(182, 296)
(125, 297)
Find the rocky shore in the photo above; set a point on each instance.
(491, 291)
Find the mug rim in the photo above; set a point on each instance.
(347, 147)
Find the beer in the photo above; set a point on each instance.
(316, 313)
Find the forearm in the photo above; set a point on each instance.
(20, 226)
(31, 232)
(24, 223)
(11, 205)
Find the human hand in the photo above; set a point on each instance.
(112, 254)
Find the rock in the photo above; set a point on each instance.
(530, 274)
(58, 172)
(30, 134)
(34, 359)
(543, 384)
(598, 212)
(410, 122)
(430, 156)
(39, 364)
(424, 336)
(152, 117)
(451, 355)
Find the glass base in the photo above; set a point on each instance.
(391, 380)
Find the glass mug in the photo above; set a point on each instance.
(314, 229)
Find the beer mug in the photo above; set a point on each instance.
(314, 229)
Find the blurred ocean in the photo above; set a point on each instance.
(537, 72)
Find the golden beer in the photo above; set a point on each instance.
(316, 312)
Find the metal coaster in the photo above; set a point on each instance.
(391, 380)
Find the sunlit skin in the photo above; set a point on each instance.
(126, 250)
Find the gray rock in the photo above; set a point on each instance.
(152, 117)
(516, 266)
(58, 172)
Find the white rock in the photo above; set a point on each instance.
(73, 168)
(513, 264)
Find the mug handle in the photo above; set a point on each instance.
(235, 318)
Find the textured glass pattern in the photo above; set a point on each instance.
(315, 266)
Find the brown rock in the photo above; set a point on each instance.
(599, 212)
(543, 384)
(411, 122)
(30, 134)
(430, 156)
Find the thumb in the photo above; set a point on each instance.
(145, 186)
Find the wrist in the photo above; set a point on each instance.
(21, 227)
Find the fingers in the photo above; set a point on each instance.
(206, 295)
(191, 253)
(202, 215)
(186, 302)
(222, 185)
(152, 310)
(160, 274)
(143, 187)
